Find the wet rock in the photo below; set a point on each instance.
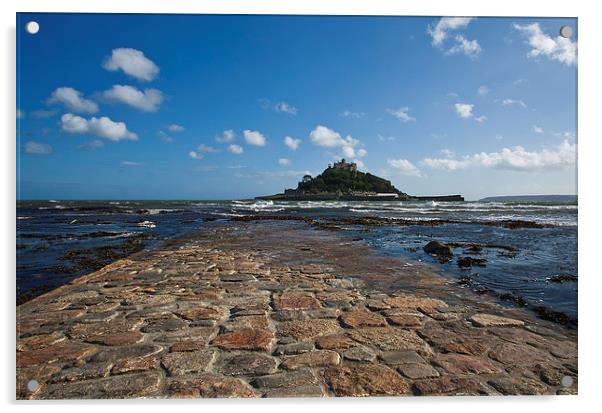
(304, 330)
(490, 320)
(178, 364)
(418, 371)
(318, 358)
(439, 250)
(468, 262)
(364, 380)
(113, 387)
(293, 300)
(209, 385)
(562, 278)
(362, 318)
(248, 364)
(461, 364)
(247, 339)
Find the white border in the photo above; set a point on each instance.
(590, 203)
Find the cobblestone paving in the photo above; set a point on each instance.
(194, 320)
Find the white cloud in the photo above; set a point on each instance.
(405, 167)
(196, 155)
(92, 145)
(470, 48)
(35, 148)
(285, 107)
(131, 163)
(360, 153)
(292, 143)
(207, 149)
(517, 159)
(73, 100)
(284, 161)
(103, 127)
(254, 138)
(439, 31)
(132, 62)
(401, 114)
(519, 82)
(464, 110)
(483, 90)
(174, 127)
(323, 136)
(148, 100)
(227, 136)
(448, 153)
(537, 129)
(562, 49)
(164, 136)
(348, 151)
(235, 149)
(349, 114)
(513, 102)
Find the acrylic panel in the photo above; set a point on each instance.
(295, 206)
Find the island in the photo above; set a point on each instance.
(342, 181)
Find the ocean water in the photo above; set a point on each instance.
(60, 240)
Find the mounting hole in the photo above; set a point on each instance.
(33, 385)
(566, 31)
(566, 381)
(32, 27)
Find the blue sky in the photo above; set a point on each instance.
(200, 107)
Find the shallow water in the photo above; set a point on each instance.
(47, 231)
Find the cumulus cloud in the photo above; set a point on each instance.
(148, 100)
(73, 100)
(285, 108)
(132, 62)
(516, 159)
(559, 48)
(401, 114)
(404, 166)
(292, 143)
(440, 30)
(226, 137)
(349, 114)
(513, 102)
(254, 138)
(465, 111)
(103, 127)
(35, 148)
(174, 127)
(537, 129)
(323, 136)
(284, 161)
(207, 149)
(196, 155)
(235, 149)
(470, 48)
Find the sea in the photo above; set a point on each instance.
(535, 268)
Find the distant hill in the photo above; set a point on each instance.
(349, 180)
(569, 199)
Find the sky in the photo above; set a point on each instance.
(230, 107)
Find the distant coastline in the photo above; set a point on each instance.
(532, 198)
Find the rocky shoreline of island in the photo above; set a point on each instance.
(279, 310)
